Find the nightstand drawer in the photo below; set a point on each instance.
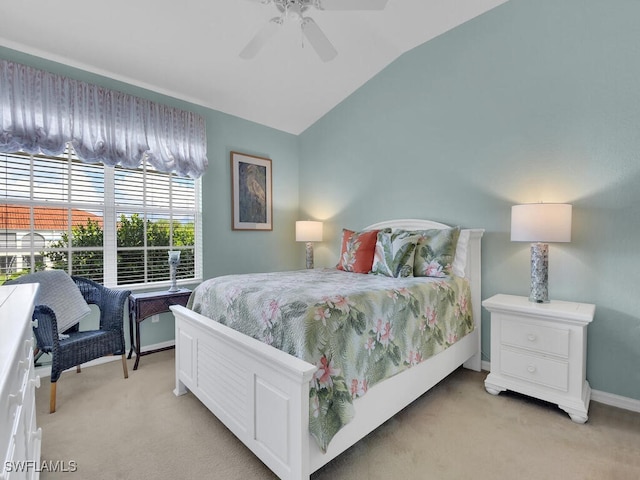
(543, 371)
(538, 338)
(147, 304)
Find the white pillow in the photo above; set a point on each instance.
(460, 260)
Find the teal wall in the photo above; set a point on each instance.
(536, 100)
(225, 251)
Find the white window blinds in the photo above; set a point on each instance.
(110, 224)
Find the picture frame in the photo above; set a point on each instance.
(251, 192)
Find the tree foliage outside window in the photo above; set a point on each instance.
(154, 256)
(89, 235)
(132, 255)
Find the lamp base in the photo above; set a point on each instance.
(309, 249)
(173, 270)
(539, 273)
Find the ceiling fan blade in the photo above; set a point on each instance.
(261, 38)
(351, 4)
(318, 40)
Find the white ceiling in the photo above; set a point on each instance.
(188, 49)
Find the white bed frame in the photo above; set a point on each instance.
(262, 394)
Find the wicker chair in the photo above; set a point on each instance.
(83, 346)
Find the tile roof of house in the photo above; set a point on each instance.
(16, 217)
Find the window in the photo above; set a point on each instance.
(111, 224)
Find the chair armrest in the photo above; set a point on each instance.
(46, 329)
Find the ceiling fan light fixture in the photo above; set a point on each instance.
(294, 13)
(294, 10)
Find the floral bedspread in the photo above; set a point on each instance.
(357, 329)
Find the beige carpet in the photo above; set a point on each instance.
(137, 429)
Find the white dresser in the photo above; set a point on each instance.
(540, 350)
(20, 437)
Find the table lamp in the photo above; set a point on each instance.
(540, 223)
(309, 231)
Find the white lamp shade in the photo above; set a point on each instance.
(541, 222)
(308, 231)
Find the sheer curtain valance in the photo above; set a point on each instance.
(40, 112)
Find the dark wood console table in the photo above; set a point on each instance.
(145, 305)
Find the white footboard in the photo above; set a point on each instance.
(260, 393)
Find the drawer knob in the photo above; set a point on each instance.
(35, 381)
(531, 369)
(531, 337)
(16, 398)
(23, 365)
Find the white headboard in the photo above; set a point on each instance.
(469, 244)
(407, 224)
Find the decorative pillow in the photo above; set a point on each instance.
(394, 253)
(435, 252)
(356, 253)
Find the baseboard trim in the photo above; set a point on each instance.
(167, 344)
(45, 370)
(613, 400)
(610, 399)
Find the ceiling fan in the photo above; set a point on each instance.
(293, 11)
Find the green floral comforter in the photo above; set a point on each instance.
(357, 329)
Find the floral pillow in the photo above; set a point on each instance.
(394, 254)
(435, 252)
(356, 253)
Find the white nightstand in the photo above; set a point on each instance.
(540, 350)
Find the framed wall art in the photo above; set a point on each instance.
(251, 192)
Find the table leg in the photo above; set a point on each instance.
(135, 365)
(130, 334)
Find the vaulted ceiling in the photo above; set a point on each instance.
(189, 49)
